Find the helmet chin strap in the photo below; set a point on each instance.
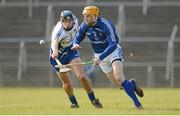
(68, 28)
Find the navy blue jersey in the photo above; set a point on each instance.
(102, 36)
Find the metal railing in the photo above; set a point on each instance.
(149, 66)
(170, 57)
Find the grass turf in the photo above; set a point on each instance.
(47, 101)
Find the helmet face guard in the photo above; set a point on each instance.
(66, 15)
(67, 19)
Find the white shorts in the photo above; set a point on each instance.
(106, 63)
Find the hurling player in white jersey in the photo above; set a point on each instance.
(104, 40)
(61, 43)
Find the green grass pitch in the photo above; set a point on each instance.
(47, 101)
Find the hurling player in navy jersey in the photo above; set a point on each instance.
(104, 40)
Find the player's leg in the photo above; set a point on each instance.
(110, 76)
(65, 78)
(80, 73)
(138, 90)
(106, 67)
(67, 85)
(128, 85)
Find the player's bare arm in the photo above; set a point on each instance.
(54, 46)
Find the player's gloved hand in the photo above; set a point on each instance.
(75, 47)
(54, 55)
(96, 61)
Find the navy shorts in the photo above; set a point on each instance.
(64, 58)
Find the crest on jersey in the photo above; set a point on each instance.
(100, 34)
(95, 35)
(65, 42)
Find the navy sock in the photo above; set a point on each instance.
(91, 96)
(73, 99)
(129, 89)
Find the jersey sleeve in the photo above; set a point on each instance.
(75, 22)
(80, 35)
(55, 37)
(110, 35)
(55, 31)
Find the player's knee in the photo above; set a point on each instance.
(118, 79)
(82, 77)
(67, 86)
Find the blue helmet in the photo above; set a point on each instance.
(66, 14)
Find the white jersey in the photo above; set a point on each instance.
(65, 38)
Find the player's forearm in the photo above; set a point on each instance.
(79, 37)
(54, 46)
(108, 51)
(76, 41)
